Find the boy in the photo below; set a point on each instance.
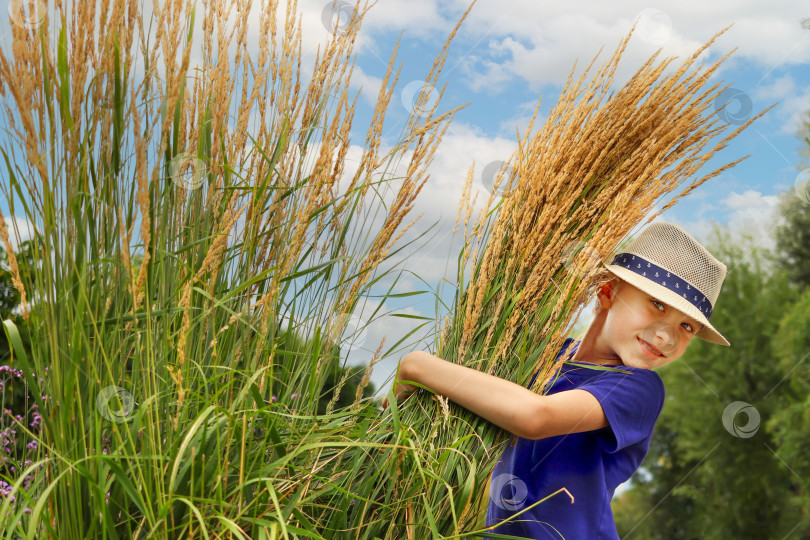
(591, 430)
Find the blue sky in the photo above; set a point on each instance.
(510, 54)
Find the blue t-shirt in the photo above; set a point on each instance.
(590, 465)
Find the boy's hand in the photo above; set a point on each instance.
(401, 389)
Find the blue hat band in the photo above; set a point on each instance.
(665, 278)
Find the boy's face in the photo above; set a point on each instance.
(643, 331)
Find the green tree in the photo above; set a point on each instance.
(353, 376)
(291, 353)
(14, 392)
(790, 424)
(793, 237)
(10, 297)
(714, 474)
(9, 302)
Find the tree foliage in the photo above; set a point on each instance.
(10, 296)
(793, 237)
(790, 424)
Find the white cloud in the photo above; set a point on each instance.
(434, 246)
(779, 88)
(749, 200)
(749, 211)
(768, 34)
(547, 55)
(519, 122)
(462, 146)
(368, 85)
(793, 110)
(415, 18)
(419, 18)
(753, 210)
(19, 230)
(539, 41)
(792, 101)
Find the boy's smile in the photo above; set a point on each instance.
(636, 329)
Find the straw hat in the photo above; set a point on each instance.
(667, 263)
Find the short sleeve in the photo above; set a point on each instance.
(631, 402)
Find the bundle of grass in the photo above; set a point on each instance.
(578, 186)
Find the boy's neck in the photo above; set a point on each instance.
(588, 350)
(579, 356)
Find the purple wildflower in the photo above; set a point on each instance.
(6, 489)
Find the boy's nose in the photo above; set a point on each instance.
(662, 335)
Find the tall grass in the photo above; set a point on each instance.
(203, 246)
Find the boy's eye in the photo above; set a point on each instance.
(689, 327)
(657, 303)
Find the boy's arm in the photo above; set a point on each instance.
(506, 404)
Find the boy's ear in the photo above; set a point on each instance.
(606, 294)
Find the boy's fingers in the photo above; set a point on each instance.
(385, 401)
(400, 395)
